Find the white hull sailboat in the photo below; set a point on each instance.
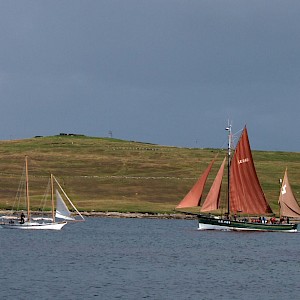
(36, 223)
(245, 196)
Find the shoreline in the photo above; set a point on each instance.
(132, 215)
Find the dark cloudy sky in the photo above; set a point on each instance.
(162, 71)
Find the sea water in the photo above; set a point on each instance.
(105, 258)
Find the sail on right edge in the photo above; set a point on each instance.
(289, 206)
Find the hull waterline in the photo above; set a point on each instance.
(35, 226)
(211, 223)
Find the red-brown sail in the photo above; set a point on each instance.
(246, 195)
(287, 201)
(193, 198)
(212, 200)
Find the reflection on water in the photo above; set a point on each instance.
(140, 258)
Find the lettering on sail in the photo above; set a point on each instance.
(283, 190)
(243, 160)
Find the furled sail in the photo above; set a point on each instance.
(62, 211)
(246, 194)
(287, 201)
(212, 201)
(193, 198)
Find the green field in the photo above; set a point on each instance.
(102, 174)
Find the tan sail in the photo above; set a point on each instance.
(212, 200)
(289, 206)
(246, 194)
(193, 198)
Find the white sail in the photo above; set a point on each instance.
(70, 202)
(62, 211)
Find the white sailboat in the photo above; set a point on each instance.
(29, 222)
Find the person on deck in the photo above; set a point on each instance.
(22, 218)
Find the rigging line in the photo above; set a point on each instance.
(20, 192)
(45, 197)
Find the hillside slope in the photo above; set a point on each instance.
(102, 174)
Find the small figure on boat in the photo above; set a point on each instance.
(22, 218)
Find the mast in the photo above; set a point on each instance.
(52, 198)
(228, 128)
(27, 189)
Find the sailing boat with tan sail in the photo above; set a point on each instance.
(245, 195)
(289, 206)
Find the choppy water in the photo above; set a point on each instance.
(140, 258)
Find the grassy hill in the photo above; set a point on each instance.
(101, 174)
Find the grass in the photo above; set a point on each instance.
(101, 174)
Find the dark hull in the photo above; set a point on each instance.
(207, 223)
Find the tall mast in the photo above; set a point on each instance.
(228, 128)
(27, 189)
(52, 198)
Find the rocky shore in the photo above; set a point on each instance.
(180, 216)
